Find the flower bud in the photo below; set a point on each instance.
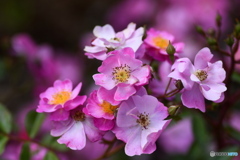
(211, 41)
(229, 41)
(179, 85)
(172, 110)
(200, 30)
(219, 20)
(171, 50)
(237, 30)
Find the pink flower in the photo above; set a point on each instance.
(122, 72)
(74, 130)
(177, 138)
(203, 79)
(157, 42)
(60, 99)
(101, 104)
(103, 107)
(140, 120)
(108, 40)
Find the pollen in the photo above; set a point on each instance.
(143, 120)
(161, 42)
(201, 75)
(121, 74)
(108, 108)
(60, 97)
(78, 116)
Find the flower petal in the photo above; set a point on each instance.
(75, 137)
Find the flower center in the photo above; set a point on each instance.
(201, 75)
(160, 42)
(122, 73)
(108, 108)
(78, 116)
(60, 97)
(143, 120)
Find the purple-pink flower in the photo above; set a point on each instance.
(201, 80)
(140, 120)
(108, 40)
(157, 42)
(74, 130)
(121, 72)
(60, 99)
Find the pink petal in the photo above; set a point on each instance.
(60, 127)
(145, 103)
(93, 133)
(75, 137)
(76, 90)
(106, 31)
(193, 98)
(202, 58)
(59, 115)
(123, 93)
(215, 91)
(126, 113)
(79, 100)
(104, 124)
(104, 81)
(142, 74)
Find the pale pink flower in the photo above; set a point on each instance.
(177, 138)
(156, 44)
(203, 79)
(121, 72)
(140, 120)
(75, 129)
(60, 99)
(108, 40)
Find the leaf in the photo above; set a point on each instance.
(5, 119)
(33, 122)
(25, 153)
(50, 156)
(3, 141)
(202, 138)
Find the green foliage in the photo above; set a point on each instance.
(5, 120)
(200, 147)
(33, 122)
(50, 156)
(25, 153)
(3, 141)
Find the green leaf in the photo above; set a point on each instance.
(25, 153)
(33, 122)
(5, 119)
(50, 156)
(52, 142)
(3, 141)
(202, 137)
(236, 77)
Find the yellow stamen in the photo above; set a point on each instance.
(60, 97)
(108, 108)
(122, 73)
(201, 75)
(160, 42)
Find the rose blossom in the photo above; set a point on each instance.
(203, 79)
(108, 40)
(140, 120)
(122, 73)
(60, 99)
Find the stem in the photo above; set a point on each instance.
(19, 139)
(169, 82)
(106, 153)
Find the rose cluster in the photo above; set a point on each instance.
(127, 101)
